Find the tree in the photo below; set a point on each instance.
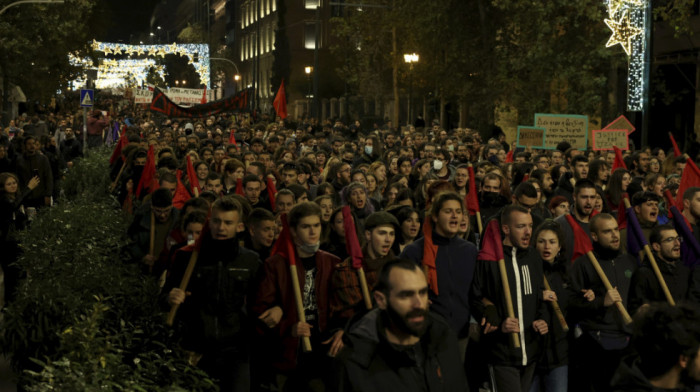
(37, 39)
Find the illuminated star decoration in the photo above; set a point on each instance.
(622, 32)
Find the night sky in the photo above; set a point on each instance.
(125, 19)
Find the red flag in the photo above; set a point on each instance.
(284, 246)
(676, 150)
(621, 216)
(491, 247)
(232, 138)
(123, 142)
(280, 102)
(148, 180)
(429, 255)
(669, 199)
(582, 243)
(351, 242)
(192, 176)
(239, 187)
(271, 192)
(472, 196)
(619, 162)
(509, 156)
(690, 178)
(204, 95)
(181, 195)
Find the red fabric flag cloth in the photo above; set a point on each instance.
(676, 150)
(181, 194)
(491, 246)
(429, 255)
(271, 192)
(472, 196)
(192, 176)
(621, 216)
(690, 178)
(509, 156)
(204, 95)
(351, 242)
(284, 246)
(117, 153)
(669, 200)
(148, 181)
(280, 102)
(619, 162)
(582, 243)
(239, 187)
(232, 138)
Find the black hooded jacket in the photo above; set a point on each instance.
(371, 363)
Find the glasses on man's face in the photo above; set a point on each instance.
(671, 240)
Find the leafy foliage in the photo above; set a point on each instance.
(83, 319)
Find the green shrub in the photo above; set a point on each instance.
(83, 319)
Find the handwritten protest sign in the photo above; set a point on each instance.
(530, 137)
(605, 139)
(142, 95)
(621, 123)
(572, 128)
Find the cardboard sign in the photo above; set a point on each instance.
(605, 139)
(530, 137)
(621, 123)
(142, 95)
(572, 128)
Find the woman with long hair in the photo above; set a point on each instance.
(617, 185)
(409, 224)
(378, 168)
(335, 242)
(419, 171)
(355, 195)
(551, 374)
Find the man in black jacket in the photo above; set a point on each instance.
(511, 368)
(401, 346)
(214, 317)
(603, 336)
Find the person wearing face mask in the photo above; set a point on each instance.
(511, 369)
(371, 151)
(602, 337)
(276, 308)
(441, 167)
(645, 288)
(490, 199)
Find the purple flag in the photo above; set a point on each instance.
(635, 236)
(690, 249)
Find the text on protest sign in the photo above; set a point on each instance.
(605, 139)
(571, 128)
(530, 137)
(621, 123)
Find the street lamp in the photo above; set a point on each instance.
(30, 2)
(308, 70)
(237, 76)
(410, 58)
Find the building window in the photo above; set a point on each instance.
(310, 35)
(312, 4)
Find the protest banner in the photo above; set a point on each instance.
(571, 128)
(530, 137)
(621, 123)
(605, 139)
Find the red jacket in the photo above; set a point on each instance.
(276, 290)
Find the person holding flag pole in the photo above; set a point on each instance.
(506, 299)
(602, 335)
(293, 301)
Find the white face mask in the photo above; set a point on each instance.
(437, 164)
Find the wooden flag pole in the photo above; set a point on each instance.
(365, 288)
(478, 222)
(196, 191)
(183, 285)
(306, 342)
(655, 266)
(601, 274)
(151, 244)
(116, 180)
(509, 300)
(557, 309)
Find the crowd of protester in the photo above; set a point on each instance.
(429, 309)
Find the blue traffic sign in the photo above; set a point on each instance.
(87, 98)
